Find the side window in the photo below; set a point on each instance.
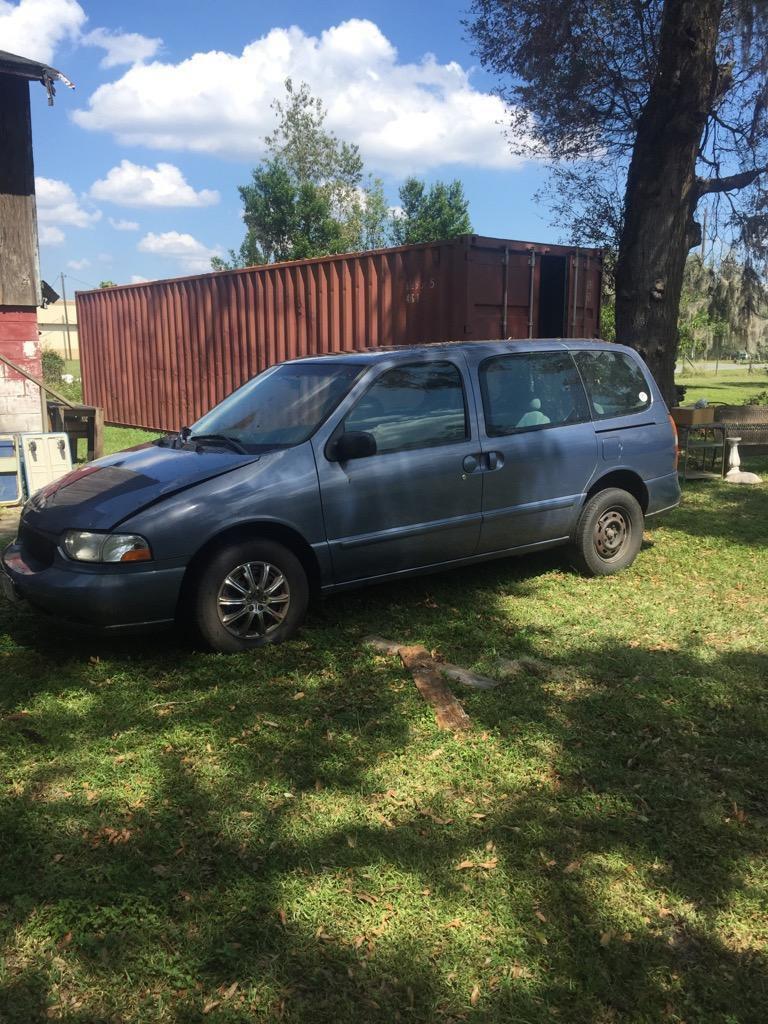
(415, 406)
(530, 391)
(615, 383)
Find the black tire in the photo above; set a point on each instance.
(257, 617)
(609, 533)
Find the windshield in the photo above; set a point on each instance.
(282, 406)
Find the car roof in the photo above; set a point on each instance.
(403, 353)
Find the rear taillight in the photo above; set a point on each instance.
(674, 432)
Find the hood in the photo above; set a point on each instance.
(98, 496)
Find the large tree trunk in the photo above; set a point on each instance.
(662, 189)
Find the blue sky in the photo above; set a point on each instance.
(138, 167)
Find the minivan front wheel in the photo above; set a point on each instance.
(249, 594)
(609, 533)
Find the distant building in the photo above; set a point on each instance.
(58, 329)
(20, 403)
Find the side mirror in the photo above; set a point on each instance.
(355, 444)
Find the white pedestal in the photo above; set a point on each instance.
(735, 474)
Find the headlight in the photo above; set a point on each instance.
(82, 546)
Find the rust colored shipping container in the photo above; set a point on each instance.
(160, 354)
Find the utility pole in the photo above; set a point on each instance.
(68, 348)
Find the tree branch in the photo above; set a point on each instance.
(730, 183)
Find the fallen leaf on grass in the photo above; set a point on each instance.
(229, 992)
(570, 868)
(475, 996)
(64, 941)
(211, 1005)
(540, 916)
(606, 938)
(57, 857)
(465, 865)
(299, 696)
(488, 865)
(283, 918)
(367, 897)
(434, 817)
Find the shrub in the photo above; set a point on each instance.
(53, 367)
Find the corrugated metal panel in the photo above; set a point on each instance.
(160, 354)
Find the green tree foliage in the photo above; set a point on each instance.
(430, 214)
(647, 110)
(107, 284)
(310, 197)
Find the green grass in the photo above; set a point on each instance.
(117, 438)
(728, 387)
(189, 837)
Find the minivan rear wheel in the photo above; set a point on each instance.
(609, 533)
(250, 594)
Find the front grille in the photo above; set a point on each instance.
(36, 546)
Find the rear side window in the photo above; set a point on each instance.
(531, 391)
(420, 405)
(615, 383)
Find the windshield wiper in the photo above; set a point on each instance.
(229, 442)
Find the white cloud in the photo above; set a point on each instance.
(123, 225)
(58, 204)
(405, 117)
(34, 28)
(138, 279)
(122, 47)
(78, 264)
(164, 185)
(48, 235)
(186, 250)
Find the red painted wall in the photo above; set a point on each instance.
(19, 340)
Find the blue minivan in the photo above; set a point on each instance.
(342, 470)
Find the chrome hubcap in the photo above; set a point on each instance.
(253, 600)
(612, 532)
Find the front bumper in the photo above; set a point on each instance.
(127, 598)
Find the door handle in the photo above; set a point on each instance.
(493, 460)
(469, 465)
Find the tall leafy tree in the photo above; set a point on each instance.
(664, 103)
(310, 196)
(430, 214)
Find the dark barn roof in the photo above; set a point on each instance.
(34, 71)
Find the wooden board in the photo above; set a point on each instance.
(433, 688)
(19, 275)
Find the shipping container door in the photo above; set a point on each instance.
(583, 299)
(496, 274)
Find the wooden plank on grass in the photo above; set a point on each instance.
(433, 688)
